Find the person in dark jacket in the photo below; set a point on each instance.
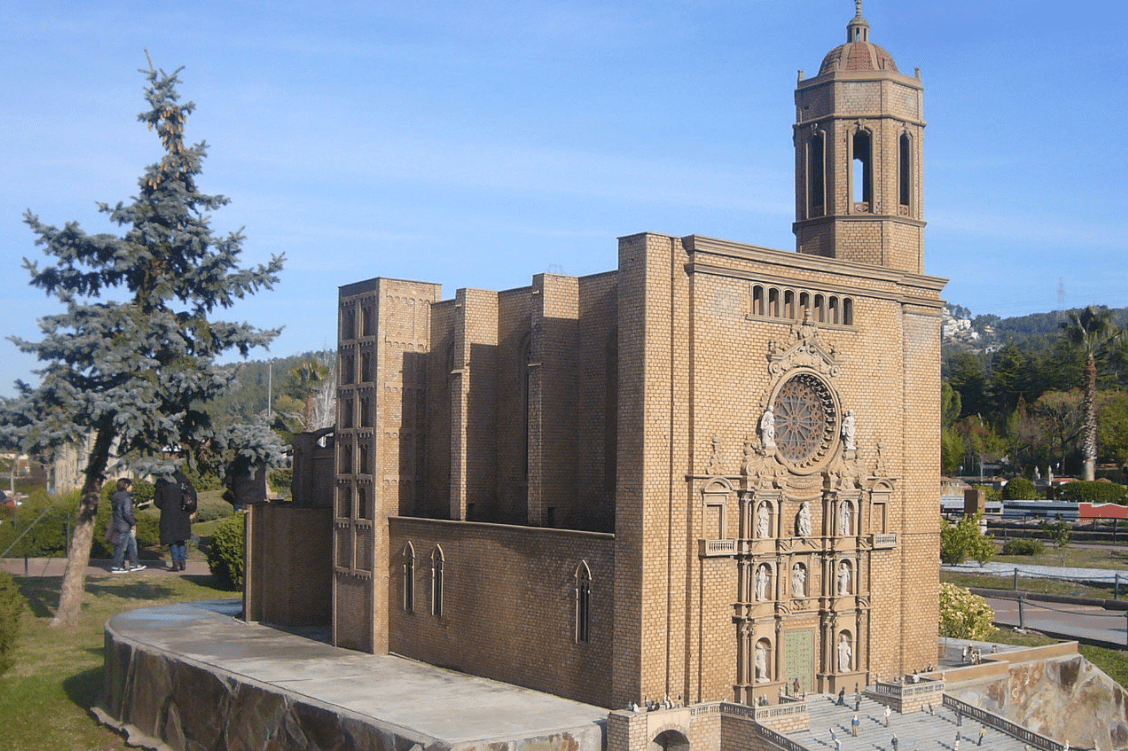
(176, 498)
(124, 526)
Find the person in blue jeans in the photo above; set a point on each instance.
(125, 526)
(176, 498)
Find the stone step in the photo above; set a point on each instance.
(919, 731)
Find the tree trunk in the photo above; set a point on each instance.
(78, 558)
(1089, 441)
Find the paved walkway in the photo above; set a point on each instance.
(421, 699)
(1089, 622)
(918, 731)
(97, 567)
(1095, 575)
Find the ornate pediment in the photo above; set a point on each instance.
(804, 348)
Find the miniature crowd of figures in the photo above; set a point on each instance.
(974, 655)
(653, 706)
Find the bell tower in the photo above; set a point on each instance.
(859, 141)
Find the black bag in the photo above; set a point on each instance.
(187, 498)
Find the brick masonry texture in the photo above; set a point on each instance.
(567, 485)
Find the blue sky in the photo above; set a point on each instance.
(476, 144)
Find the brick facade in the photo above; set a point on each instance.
(707, 475)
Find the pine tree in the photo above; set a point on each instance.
(131, 359)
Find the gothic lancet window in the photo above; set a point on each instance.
(905, 173)
(437, 582)
(816, 175)
(583, 603)
(863, 170)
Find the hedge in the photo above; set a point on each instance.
(11, 607)
(1094, 492)
(225, 552)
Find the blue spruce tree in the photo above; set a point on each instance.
(129, 363)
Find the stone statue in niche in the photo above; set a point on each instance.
(763, 520)
(845, 519)
(849, 431)
(761, 663)
(798, 581)
(844, 654)
(767, 428)
(762, 577)
(803, 522)
(844, 578)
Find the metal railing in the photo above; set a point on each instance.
(1002, 724)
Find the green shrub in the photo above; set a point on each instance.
(1020, 489)
(1023, 547)
(11, 607)
(964, 540)
(964, 615)
(202, 481)
(225, 552)
(1094, 492)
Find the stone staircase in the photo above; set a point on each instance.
(919, 731)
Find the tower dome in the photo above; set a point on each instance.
(859, 53)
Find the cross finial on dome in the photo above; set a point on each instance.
(857, 8)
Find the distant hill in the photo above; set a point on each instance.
(1034, 332)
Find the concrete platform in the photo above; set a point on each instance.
(195, 676)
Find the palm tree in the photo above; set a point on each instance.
(1091, 331)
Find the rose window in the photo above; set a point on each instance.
(804, 420)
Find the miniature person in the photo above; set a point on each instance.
(841, 697)
(886, 714)
(125, 527)
(857, 699)
(855, 723)
(894, 742)
(804, 524)
(176, 498)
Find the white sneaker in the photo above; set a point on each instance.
(119, 570)
(138, 567)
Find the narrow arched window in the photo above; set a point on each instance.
(773, 302)
(757, 300)
(820, 309)
(834, 316)
(437, 582)
(905, 173)
(848, 311)
(863, 171)
(409, 578)
(816, 176)
(789, 304)
(583, 603)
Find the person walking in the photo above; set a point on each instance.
(124, 526)
(176, 498)
(886, 714)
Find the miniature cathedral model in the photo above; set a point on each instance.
(710, 473)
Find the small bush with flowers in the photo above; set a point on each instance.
(964, 615)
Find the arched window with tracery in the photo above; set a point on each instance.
(409, 578)
(437, 581)
(583, 603)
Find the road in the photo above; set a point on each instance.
(1087, 622)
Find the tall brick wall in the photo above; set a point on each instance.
(289, 565)
(509, 604)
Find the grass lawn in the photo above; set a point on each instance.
(45, 697)
(1073, 556)
(1041, 586)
